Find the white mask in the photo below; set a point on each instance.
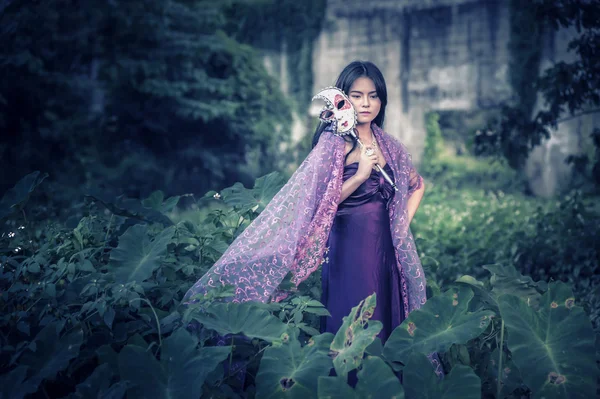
(338, 109)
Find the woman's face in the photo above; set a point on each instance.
(365, 100)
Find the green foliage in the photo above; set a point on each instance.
(257, 198)
(180, 373)
(334, 387)
(147, 211)
(434, 142)
(376, 379)
(461, 231)
(292, 370)
(421, 381)
(155, 91)
(287, 26)
(354, 336)
(446, 158)
(15, 198)
(70, 328)
(559, 333)
(241, 318)
(442, 321)
(511, 376)
(136, 258)
(48, 354)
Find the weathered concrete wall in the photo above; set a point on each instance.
(546, 169)
(434, 55)
(438, 55)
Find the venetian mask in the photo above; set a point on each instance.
(338, 110)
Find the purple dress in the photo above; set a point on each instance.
(360, 258)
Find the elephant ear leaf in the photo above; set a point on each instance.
(510, 374)
(136, 257)
(257, 198)
(96, 384)
(335, 388)
(554, 344)
(157, 201)
(377, 380)
(53, 353)
(353, 338)
(420, 381)
(442, 321)
(290, 370)
(16, 197)
(246, 318)
(130, 208)
(180, 373)
(506, 279)
(12, 384)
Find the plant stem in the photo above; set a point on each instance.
(500, 352)
(28, 233)
(231, 355)
(155, 316)
(112, 215)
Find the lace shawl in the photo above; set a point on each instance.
(291, 233)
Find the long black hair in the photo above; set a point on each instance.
(349, 74)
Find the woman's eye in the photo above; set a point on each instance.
(374, 96)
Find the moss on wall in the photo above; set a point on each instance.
(268, 24)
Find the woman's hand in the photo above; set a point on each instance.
(366, 164)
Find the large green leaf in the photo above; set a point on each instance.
(52, 353)
(555, 344)
(335, 388)
(12, 386)
(506, 279)
(242, 318)
(481, 292)
(443, 320)
(96, 384)
(377, 380)
(421, 382)
(16, 197)
(354, 336)
(157, 201)
(129, 208)
(179, 374)
(137, 257)
(511, 376)
(257, 198)
(292, 371)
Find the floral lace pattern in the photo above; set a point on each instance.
(407, 181)
(289, 235)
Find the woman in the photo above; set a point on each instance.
(290, 236)
(360, 257)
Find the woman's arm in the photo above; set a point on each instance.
(350, 186)
(365, 164)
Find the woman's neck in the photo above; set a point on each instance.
(364, 131)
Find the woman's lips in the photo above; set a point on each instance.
(365, 113)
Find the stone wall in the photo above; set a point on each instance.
(438, 55)
(546, 169)
(446, 55)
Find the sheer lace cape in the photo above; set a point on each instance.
(291, 233)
